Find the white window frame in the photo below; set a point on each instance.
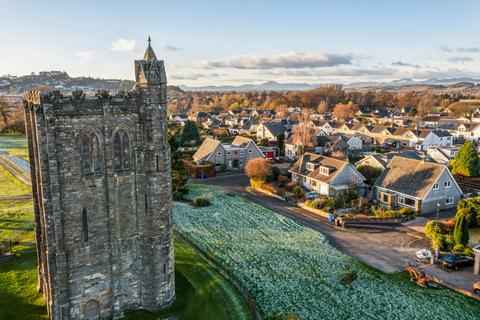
(436, 186)
(447, 184)
(401, 200)
(449, 201)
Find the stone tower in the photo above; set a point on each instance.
(101, 183)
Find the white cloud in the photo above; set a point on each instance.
(123, 45)
(169, 47)
(460, 59)
(290, 60)
(85, 55)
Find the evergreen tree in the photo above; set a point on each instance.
(281, 143)
(190, 133)
(179, 179)
(460, 232)
(466, 162)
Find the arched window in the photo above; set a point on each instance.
(122, 151)
(90, 154)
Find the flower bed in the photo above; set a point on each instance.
(288, 268)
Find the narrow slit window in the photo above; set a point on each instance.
(146, 204)
(84, 225)
(158, 169)
(117, 152)
(126, 151)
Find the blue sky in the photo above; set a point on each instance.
(232, 42)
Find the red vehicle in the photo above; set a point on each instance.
(271, 160)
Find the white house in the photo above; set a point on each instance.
(435, 139)
(327, 176)
(468, 131)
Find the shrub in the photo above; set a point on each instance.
(283, 180)
(468, 252)
(458, 248)
(290, 186)
(434, 232)
(432, 228)
(469, 208)
(407, 211)
(201, 202)
(380, 213)
(274, 173)
(369, 172)
(258, 184)
(448, 242)
(460, 232)
(298, 192)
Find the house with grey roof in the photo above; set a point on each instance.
(232, 156)
(468, 131)
(271, 130)
(420, 185)
(434, 139)
(325, 175)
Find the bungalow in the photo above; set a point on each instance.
(233, 156)
(422, 186)
(327, 176)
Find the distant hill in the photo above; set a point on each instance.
(60, 80)
(266, 86)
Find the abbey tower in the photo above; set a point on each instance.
(102, 197)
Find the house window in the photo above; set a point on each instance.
(435, 186)
(409, 202)
(447, 184)
(313, 183)
(401, 200)
(229, 153)
(250, 151)
(449, 201)
(242, 152)
(219, 153)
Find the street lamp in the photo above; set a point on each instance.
(438, 209)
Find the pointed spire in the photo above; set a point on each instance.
(149, 54)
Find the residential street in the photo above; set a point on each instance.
(387, 248)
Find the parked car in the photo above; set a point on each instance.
(312, 195)
(455, 261)
(476, 287)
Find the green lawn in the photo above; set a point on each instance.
(202, 293)
(9, 186)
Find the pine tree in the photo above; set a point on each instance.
(190, 133)
(466, 162)
(460, 232)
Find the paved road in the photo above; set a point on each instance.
(386, 248)
(15, 170)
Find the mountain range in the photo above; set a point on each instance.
(276, 86)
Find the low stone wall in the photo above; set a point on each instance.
(243, 291)
(268, 193)
(348, 221)
(313, 210)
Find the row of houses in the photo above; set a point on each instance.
(405, 182)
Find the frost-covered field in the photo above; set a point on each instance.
(23, 164)
(288, 268)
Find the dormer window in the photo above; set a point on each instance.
(324, 171)
(310, 166)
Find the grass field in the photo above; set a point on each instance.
(9, 186)
(290, 269)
